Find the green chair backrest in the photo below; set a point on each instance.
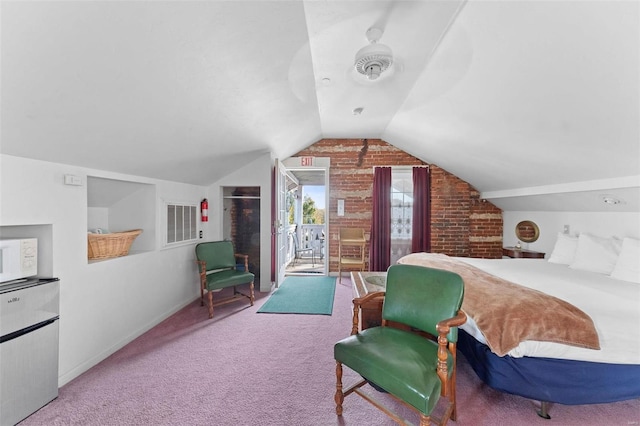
(217, 254)
(420, 297)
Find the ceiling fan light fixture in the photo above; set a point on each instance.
(375, 58)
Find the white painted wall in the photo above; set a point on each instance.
(620, 224)
(103, 305)
(97, 217)
(255, 173)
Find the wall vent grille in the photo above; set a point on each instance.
(182, 223)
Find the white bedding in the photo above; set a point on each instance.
(613, 305)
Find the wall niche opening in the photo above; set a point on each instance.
(117, 205)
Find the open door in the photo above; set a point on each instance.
(283, 178)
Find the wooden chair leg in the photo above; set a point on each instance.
(425, 420)
(452, 386)
(452, 399)
(339, 396)
(210, 302)
(252, 296)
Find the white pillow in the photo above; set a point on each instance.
(627, 267)
(596, 254)
(564, 250)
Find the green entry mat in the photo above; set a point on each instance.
(302, 295)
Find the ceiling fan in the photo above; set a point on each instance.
(375, 58)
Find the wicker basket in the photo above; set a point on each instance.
(105, 246)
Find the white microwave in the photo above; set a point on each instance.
(18, 258)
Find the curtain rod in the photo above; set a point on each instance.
(404, 167)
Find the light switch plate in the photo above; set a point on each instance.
(72, 180)
(340, 207)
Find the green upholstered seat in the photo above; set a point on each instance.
(217, 264)
(400, 367)
(405, 362)
(228, 278)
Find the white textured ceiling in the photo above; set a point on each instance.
(536, 104)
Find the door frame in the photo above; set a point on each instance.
(314, 163)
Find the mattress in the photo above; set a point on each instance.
(613, 305)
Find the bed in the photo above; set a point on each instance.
(566, 363)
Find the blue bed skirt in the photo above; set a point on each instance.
(552, 380)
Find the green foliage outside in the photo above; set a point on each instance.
(290, 207)
(319, 216)
(310, 213)
(308, 210)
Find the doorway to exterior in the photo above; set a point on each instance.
(306, 226)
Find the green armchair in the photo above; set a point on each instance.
(403, 359)
(217, 266)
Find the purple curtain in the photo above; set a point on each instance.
(380, 249)
(421, 231)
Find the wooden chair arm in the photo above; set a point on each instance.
(445, 325)
(443, 328)
(245, 258)
(357, 303)
(202, 265)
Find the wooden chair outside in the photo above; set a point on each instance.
(217, 266)
(351, 250)
(406, 362)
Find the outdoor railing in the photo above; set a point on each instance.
(309, 236)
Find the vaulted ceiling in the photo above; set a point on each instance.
(535, 103)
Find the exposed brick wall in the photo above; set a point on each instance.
(461, 223)
(485, 226)
(450, 205)
(245, 225)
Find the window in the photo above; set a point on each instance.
(401, 212)
(182, 223)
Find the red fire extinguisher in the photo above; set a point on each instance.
(204, 210)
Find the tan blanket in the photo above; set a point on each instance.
(507, 313)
